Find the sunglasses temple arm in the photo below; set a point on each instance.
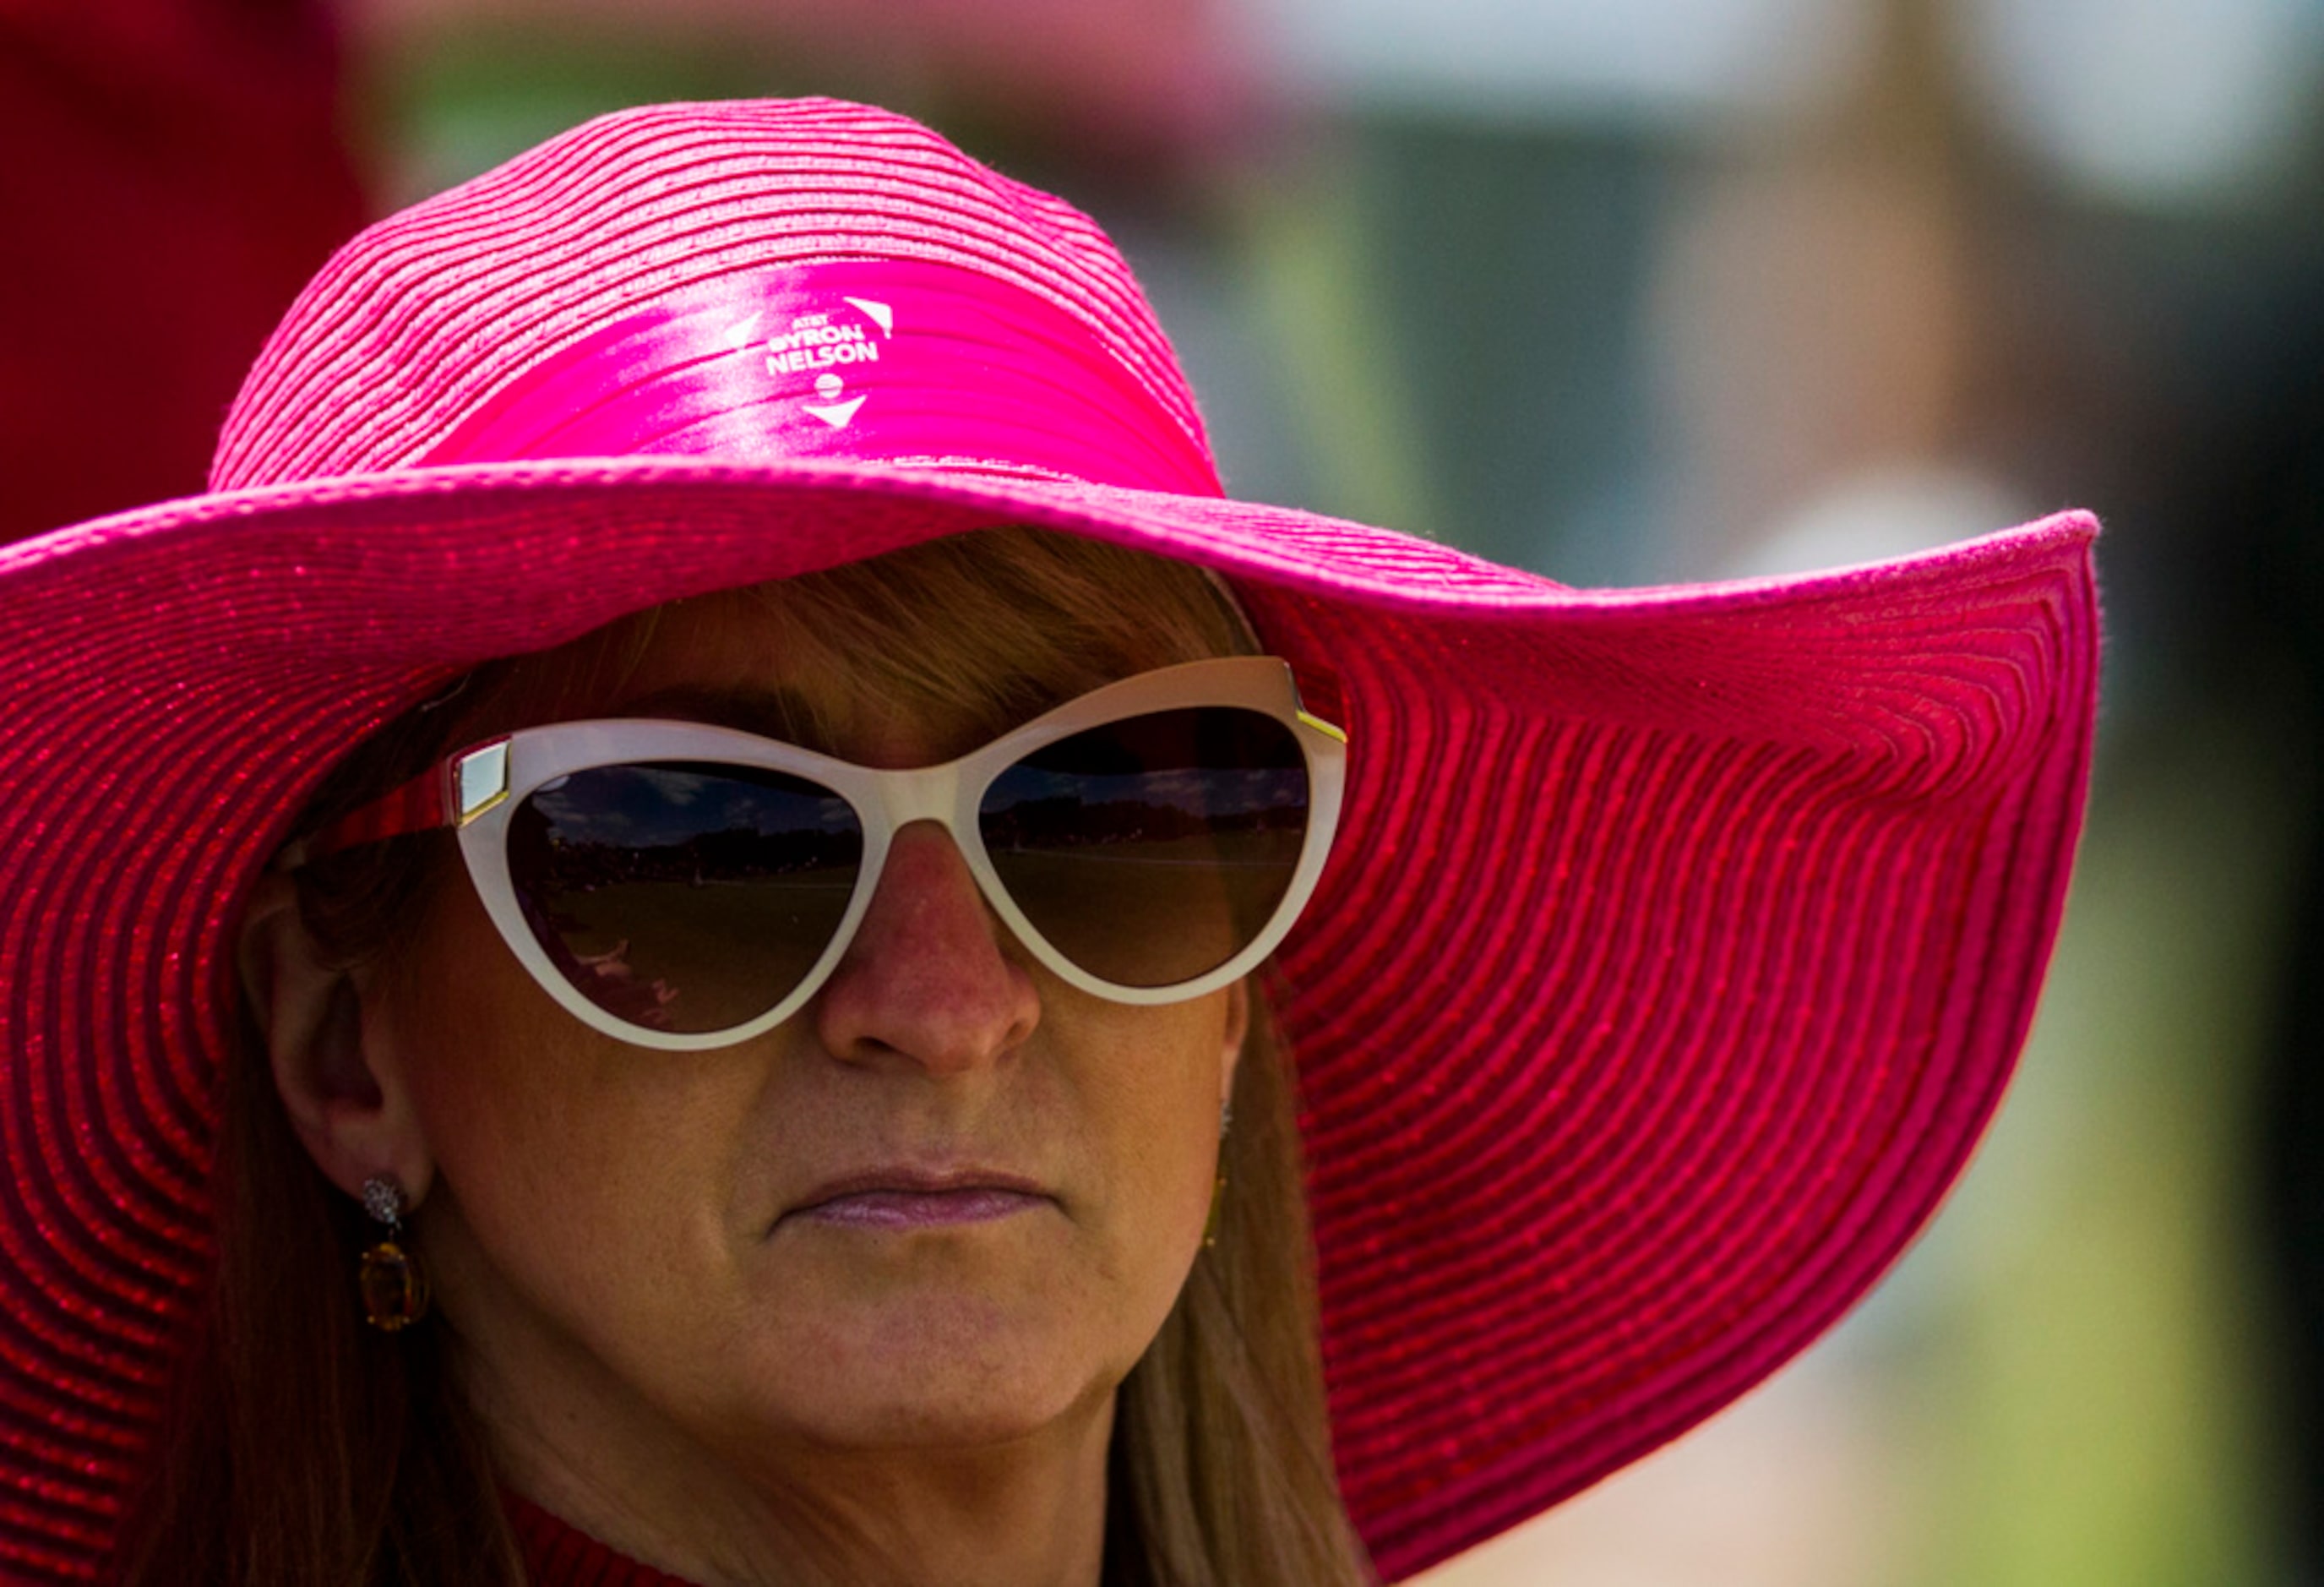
(417, 806)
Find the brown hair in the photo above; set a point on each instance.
(304, 1446)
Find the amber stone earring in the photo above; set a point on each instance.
(394, 1289)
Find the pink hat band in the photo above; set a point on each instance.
(876, 360)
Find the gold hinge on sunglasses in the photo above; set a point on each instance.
(1319, 687)
(481, 780)
(1319, 725)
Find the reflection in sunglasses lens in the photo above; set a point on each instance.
(1152, 851)
(684, 897)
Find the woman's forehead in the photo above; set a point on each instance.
(743, 659)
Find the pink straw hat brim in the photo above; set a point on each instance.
(1675, 948)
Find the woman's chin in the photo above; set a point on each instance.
(932, 1363)
(949, 1386)
(937, 1422)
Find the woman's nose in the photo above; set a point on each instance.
(927, 978)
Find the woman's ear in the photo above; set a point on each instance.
(340, 1078)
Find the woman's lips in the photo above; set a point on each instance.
(921, 1209)
(907, 1200)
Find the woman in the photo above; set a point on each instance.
(712, 763)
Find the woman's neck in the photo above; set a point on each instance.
(1027, 1511)
(896, 1531)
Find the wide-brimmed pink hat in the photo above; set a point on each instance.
(1674, 949)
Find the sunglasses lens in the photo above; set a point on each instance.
(1152, 850)
(680, 897)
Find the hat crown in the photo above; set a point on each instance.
(429, 316)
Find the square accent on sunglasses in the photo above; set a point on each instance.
(684, 886)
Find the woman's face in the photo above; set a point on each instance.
(950, 1202)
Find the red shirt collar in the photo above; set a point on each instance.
(560, 1555)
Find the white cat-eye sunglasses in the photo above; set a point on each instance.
(684, 886)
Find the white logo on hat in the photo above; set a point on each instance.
(812, 342)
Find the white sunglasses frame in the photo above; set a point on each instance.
(485, 783)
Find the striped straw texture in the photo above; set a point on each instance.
(424, 314)
(1676, 947)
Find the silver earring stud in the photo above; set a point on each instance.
(385, 1200)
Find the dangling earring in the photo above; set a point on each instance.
(394, 1289)
(1218, 1186)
